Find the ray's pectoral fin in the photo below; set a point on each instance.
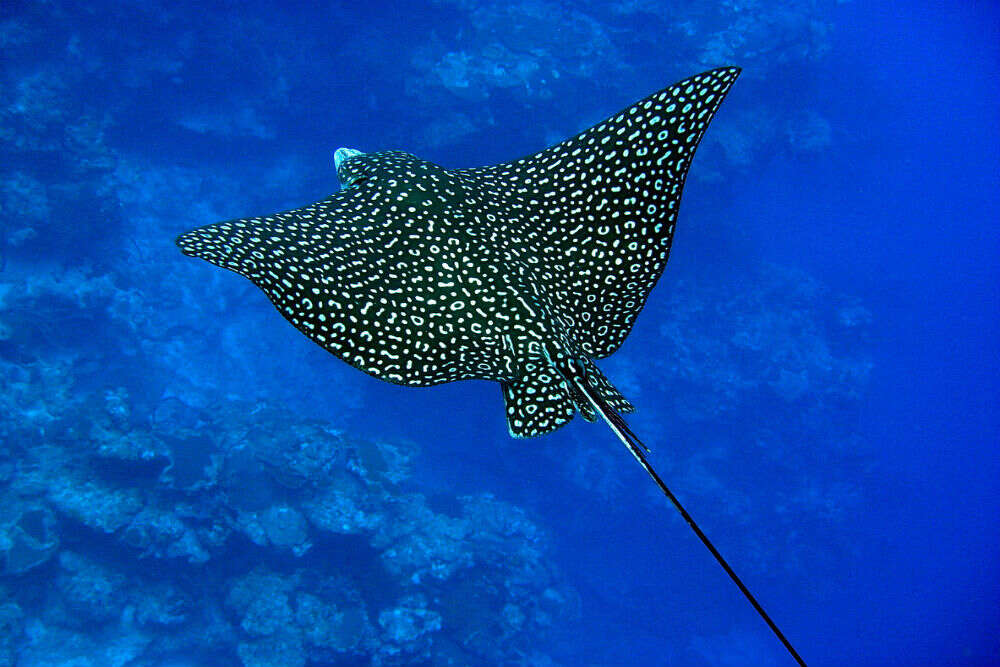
(223, 244)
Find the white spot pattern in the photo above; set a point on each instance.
(520, 272)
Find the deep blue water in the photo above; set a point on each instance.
(186, 480)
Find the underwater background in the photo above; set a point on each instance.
(186, 481)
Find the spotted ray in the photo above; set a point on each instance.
(522, 272)
(420, 275)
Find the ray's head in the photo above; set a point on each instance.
(349, 167)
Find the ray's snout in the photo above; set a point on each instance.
(344, 172)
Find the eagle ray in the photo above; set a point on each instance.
(522, 273)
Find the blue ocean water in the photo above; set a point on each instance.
(186, 480)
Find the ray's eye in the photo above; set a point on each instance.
(354, 181)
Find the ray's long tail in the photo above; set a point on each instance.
(638, 450)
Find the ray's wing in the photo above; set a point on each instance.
(385, 274)
(302, 260)
(599, 209)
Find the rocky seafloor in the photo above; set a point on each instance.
(126, 539)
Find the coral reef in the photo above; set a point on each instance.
(502, 52)
(28, 537)
(192, 535)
